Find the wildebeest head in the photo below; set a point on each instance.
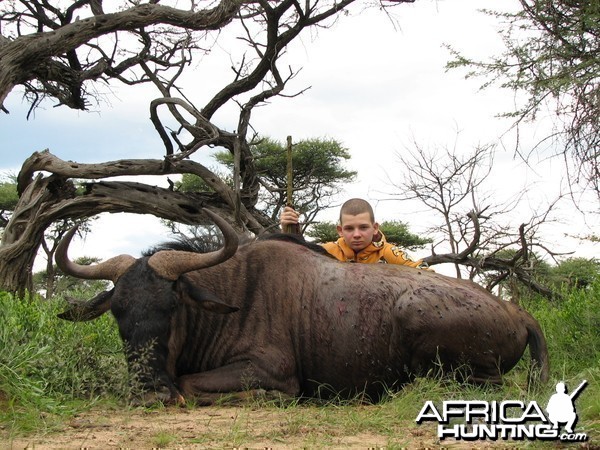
(147, 293)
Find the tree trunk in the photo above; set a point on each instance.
(50, 278)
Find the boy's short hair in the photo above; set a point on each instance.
(356, 206)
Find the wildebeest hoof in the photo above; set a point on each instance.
(274, 396)
(151, 398)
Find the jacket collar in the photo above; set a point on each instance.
(370, 249)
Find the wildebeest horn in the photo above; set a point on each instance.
(171, 264)
(110, 269)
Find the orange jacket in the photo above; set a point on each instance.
(381, 251)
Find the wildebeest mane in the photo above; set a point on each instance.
(294, 239)
(211, 244)
(187, 244)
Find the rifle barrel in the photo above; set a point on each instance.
(578, 389)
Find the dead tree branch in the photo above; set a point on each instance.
(516, 266)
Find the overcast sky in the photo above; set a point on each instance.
(376, 85)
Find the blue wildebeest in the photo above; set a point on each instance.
(278, 316)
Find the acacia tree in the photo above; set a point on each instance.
(451, 184)
(64, 50)
(553, 57)
(318, 171)
(317, 176)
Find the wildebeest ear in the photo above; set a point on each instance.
(81, 311)
(202, 297)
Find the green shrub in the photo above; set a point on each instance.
(47, 363)
(571, 328)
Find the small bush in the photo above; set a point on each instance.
(47, 363)
(571, 328)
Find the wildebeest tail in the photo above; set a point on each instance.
(538, 349)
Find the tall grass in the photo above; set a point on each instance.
(572, 328)
(51, 368)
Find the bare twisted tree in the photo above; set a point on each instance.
(480, 247)
(66, 50)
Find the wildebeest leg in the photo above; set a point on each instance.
(237, 381)
(483, 378)
(229, 398)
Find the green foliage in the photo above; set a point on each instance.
(315, 161)
(571, 327)
(193, 183)
(552, 55)
(8, 196)
(66, 285)
(317, 172)
(576, 272)
(395, 231)
(323, 232)
(47, 363)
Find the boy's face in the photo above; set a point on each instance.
(357, 231)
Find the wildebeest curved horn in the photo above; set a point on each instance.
(171, 264)
(110, 269)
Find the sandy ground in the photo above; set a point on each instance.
(219, 427)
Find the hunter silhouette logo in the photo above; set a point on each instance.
(561, 406)
(509, 419)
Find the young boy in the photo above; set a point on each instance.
(360, 238)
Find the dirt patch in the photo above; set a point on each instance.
(230, 427)
(182, 428)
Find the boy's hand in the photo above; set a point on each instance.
(289, 216)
